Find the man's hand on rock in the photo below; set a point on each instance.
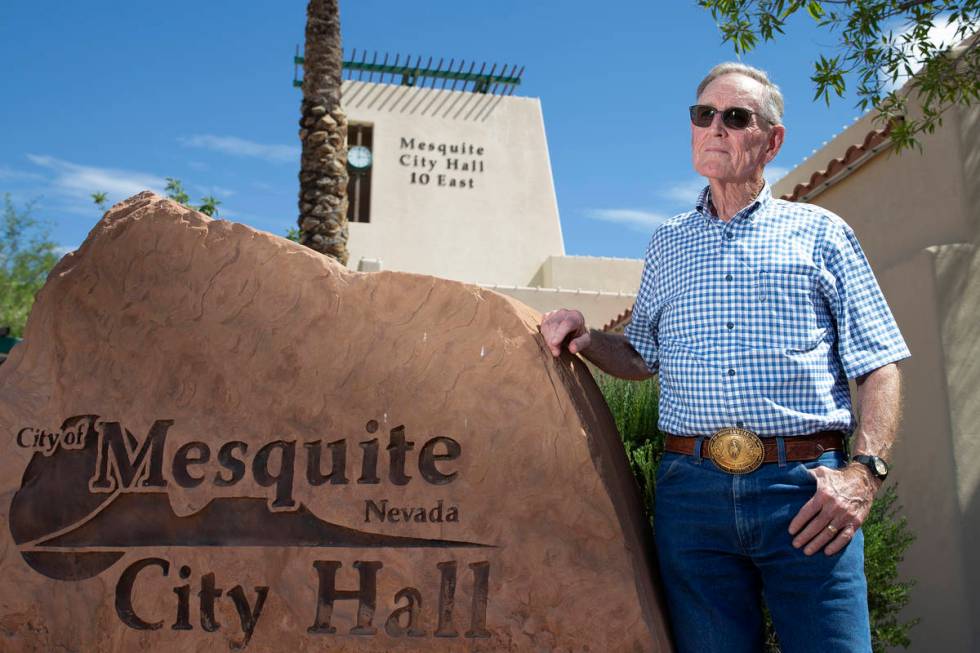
(561, 325)
(837, 509)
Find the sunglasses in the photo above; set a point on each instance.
(702, 115)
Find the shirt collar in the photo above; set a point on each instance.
(761, 202)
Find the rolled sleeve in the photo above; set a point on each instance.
(641, 330)
(867, 334)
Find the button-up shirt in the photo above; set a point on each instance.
(758, 322)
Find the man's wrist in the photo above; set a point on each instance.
(876, 464)
(873, 481)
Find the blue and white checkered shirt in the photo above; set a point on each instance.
(758, 322)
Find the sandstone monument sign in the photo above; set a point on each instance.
(217, 439)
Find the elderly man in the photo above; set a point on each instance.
(755, 312)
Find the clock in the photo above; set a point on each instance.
(359, 157)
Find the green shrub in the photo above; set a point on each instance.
(886, 537)
(886, 533)
(26, 257)
(634, 407)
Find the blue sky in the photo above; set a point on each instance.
(116, 96)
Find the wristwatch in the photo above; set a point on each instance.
(878, 467)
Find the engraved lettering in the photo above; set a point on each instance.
(121, 465)
(379, 511)
(478, 609)
(236, 466)
(283, 480)
(192, 453)
(338, 463)
(183, 592)
(447, 596)
(246, 614)
(207, 595)
(428, 459)
(327, 593)
(397, 448)
(124, 593)
(369, 464)
(411, 610)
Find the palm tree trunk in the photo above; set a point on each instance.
(323, 133)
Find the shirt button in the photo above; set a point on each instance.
(729, 235)
(731, 372)
(730, 325)
(728, 277)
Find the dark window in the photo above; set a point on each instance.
(359, 135)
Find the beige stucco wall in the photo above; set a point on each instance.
(591, 272)
(924, 466)
(497, 225)
(917, 216)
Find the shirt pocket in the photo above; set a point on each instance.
(787, 318)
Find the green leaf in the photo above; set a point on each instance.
(175, 191)
(209, 205)
(815, 10)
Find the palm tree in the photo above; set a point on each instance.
(323, 132)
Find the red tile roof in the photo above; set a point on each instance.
(618, 323)
(871, 144)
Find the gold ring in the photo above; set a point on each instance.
(833, 529)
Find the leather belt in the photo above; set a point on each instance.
(798, 448)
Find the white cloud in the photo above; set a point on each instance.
(9, 174)
(684, 192)
(220, 192)
(775, 173)
(942, 35)
(264, 187)
(78, 181)
(241, 147)
(61, 250)
(644, 221)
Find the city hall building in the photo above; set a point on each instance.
(450, 176)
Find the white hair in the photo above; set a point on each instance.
(771, 104)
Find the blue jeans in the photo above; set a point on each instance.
(723, 543)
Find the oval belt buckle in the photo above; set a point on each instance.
(736, 451)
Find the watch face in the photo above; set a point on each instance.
(359, 157)
(880, 467)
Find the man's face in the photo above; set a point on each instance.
(734, 155)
